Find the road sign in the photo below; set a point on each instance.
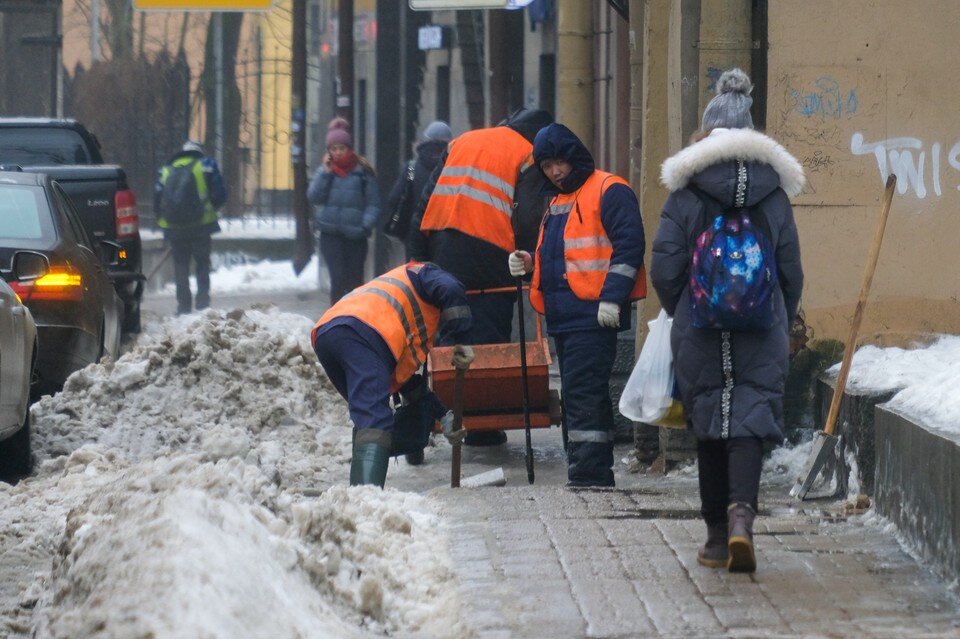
(201, 5)
(440, 5)
(433, 36)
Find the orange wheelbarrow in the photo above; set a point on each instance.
(493, 397)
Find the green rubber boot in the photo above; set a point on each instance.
(371, 456)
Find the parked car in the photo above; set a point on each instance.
(18, 355)
(107, 207)
(74, 304)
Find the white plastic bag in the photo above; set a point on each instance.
(648, 395)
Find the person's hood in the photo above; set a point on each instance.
(557, 142)
(527, 122)
(711, 166)
(429, 152)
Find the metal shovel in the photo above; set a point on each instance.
(824, 442)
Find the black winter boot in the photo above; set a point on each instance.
(714, 553)
(371, 456)
(740, 518)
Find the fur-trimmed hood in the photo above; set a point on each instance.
(724, 146)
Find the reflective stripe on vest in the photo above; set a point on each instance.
(390, 305)
(589, 436)
(586, 247)
(475, 190)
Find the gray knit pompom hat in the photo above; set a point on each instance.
(730, 108)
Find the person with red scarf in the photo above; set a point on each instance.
(345, 192)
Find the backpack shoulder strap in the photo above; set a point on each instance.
(703, 221)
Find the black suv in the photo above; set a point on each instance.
(107, 207)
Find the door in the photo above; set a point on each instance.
(95, 271)
(14, 382)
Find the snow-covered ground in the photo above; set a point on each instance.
(925, 380)
(245, 228)
(257, 277)
(195, 488)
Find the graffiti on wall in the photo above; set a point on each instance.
(824, 98)
(915, 164)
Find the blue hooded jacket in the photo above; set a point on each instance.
(620, 216)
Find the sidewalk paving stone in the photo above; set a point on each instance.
(548, 561)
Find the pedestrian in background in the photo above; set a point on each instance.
(482, 202)
(588, 267)
(413, 176)
(187, 195)
(731, 382)
(369, 349)
(344, 190)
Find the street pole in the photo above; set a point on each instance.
(218, 88)
(575, 72)
(95, 30)
(389, 149)
(344, 106)
(303, 247)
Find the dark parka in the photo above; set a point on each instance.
(620, 216)
(759, 360)
(348, 206)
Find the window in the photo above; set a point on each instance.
(24, 217)
(70, 214)
(33, 146)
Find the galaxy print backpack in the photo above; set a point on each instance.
(733, 272)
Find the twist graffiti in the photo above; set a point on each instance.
(907, 159)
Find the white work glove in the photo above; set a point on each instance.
(462, 356)
(446, 427)
(608, 315)
(520, 263)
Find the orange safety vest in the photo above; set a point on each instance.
(474, 193)
(390, 305)
(586, 247)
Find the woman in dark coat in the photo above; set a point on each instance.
(731, 383)
(345, 191)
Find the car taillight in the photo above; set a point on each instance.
(128, 218)
(61, 283)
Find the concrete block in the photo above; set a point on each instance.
(856, 428)
(918, 487)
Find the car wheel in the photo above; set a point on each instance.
(16, 460)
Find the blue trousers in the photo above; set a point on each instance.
(183, 249)
(492, 319)
(586, 361)
(359, 374)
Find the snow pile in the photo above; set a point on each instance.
(242, 384)
(180, 548)
(171, 499)
(925, 378)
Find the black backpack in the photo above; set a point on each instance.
(399, 223)
(180, 203)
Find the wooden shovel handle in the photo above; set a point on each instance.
(457, 425)
(851, 344)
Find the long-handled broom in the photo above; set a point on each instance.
(824, 442)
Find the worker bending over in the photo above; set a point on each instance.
(373, 342)
(588, 268)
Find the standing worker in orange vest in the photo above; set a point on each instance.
(373, 342)
(484, 201)
(588, 268)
